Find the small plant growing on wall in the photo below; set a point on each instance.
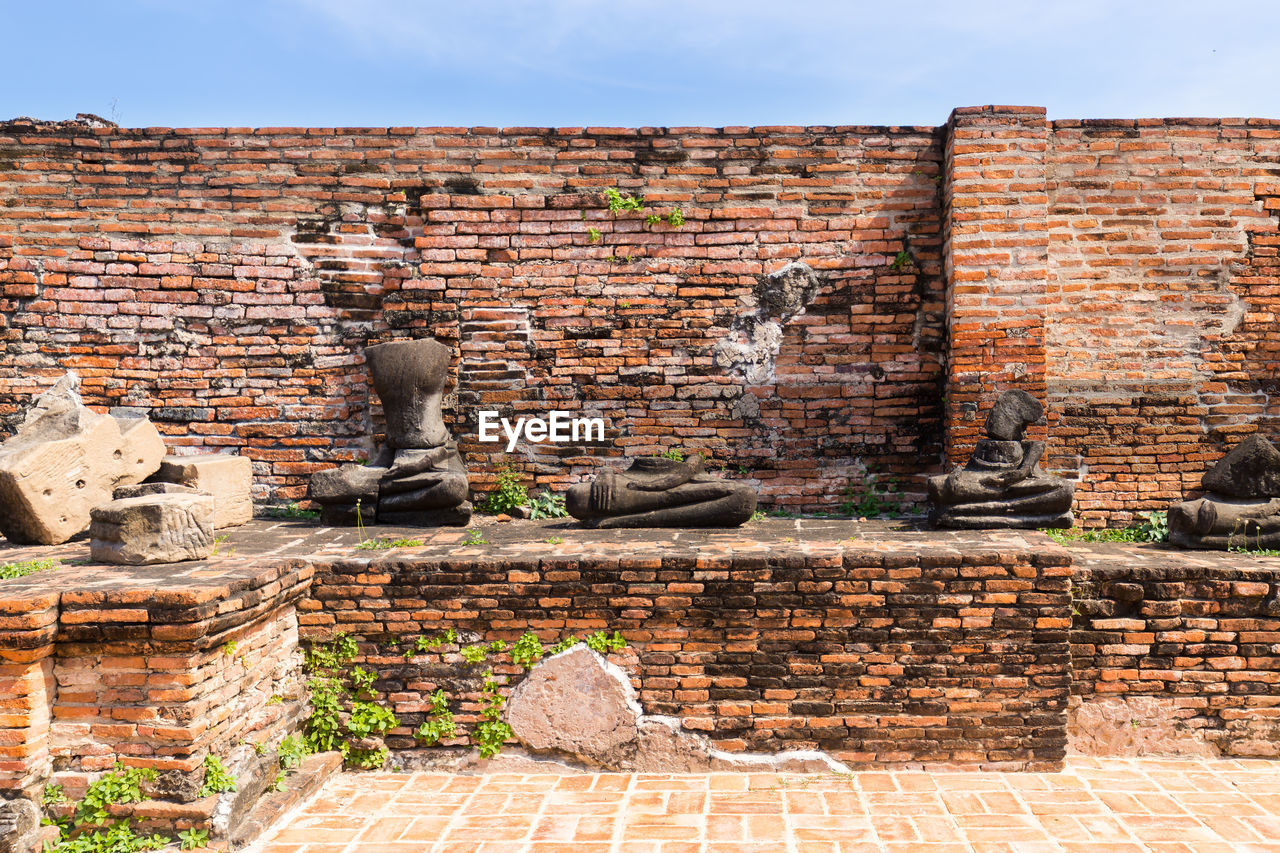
(340, 692)
(345, 713)
(873, 497)
(508, 492)
(620, 203)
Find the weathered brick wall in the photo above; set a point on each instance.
(878, 655)
(170, 707)
(1200, 638)
(1163, 283)
(224, 281)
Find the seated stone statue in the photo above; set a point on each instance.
(658, 492)
(1001, 486)
(1241, 507)
(418, 478)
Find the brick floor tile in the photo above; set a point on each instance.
(595, 828)
(894, 827)
(611, 782)
(310, 835)
(729, 782)
(554, 828)
(804, 802)
(1168, 828)
(844, 802)
(502, 827)
(748, 803)
(875, 781)
(428, 828)
(1268, 826)
(964, 802)
(763, 827)
(686, 802)
(384, 829)
(1233, 828)
(831, 828)
(726, 827)
(936, 830)
(1021, 845)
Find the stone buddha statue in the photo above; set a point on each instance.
(1001, 486)
(659, 492)
(417, 478)
(1241, 507)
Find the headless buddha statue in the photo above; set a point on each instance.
(1241, 507)
(417, 478)
(658, 492)
(1001, 486)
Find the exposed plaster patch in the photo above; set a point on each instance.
(751, 348)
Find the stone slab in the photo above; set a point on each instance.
(225, 476)
(170, 527)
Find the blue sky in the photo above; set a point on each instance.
(631, 62)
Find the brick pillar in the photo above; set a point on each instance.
(27, 627)
(996, 255)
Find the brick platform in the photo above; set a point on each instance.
(882, 644)
(879, 646)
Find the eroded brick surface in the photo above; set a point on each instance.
(1197, 633)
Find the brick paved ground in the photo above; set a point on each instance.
(1094, 806)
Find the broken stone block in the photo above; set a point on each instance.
(153, 523)
(577, 703)
(229, 478)
(65, 460)
(1250, 470)
(659, 492)
(19, 826)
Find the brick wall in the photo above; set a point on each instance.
(1162, 332)
(996, 255)
(225, 280)
(151, 668)
(1195, 639)
(879, 654)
